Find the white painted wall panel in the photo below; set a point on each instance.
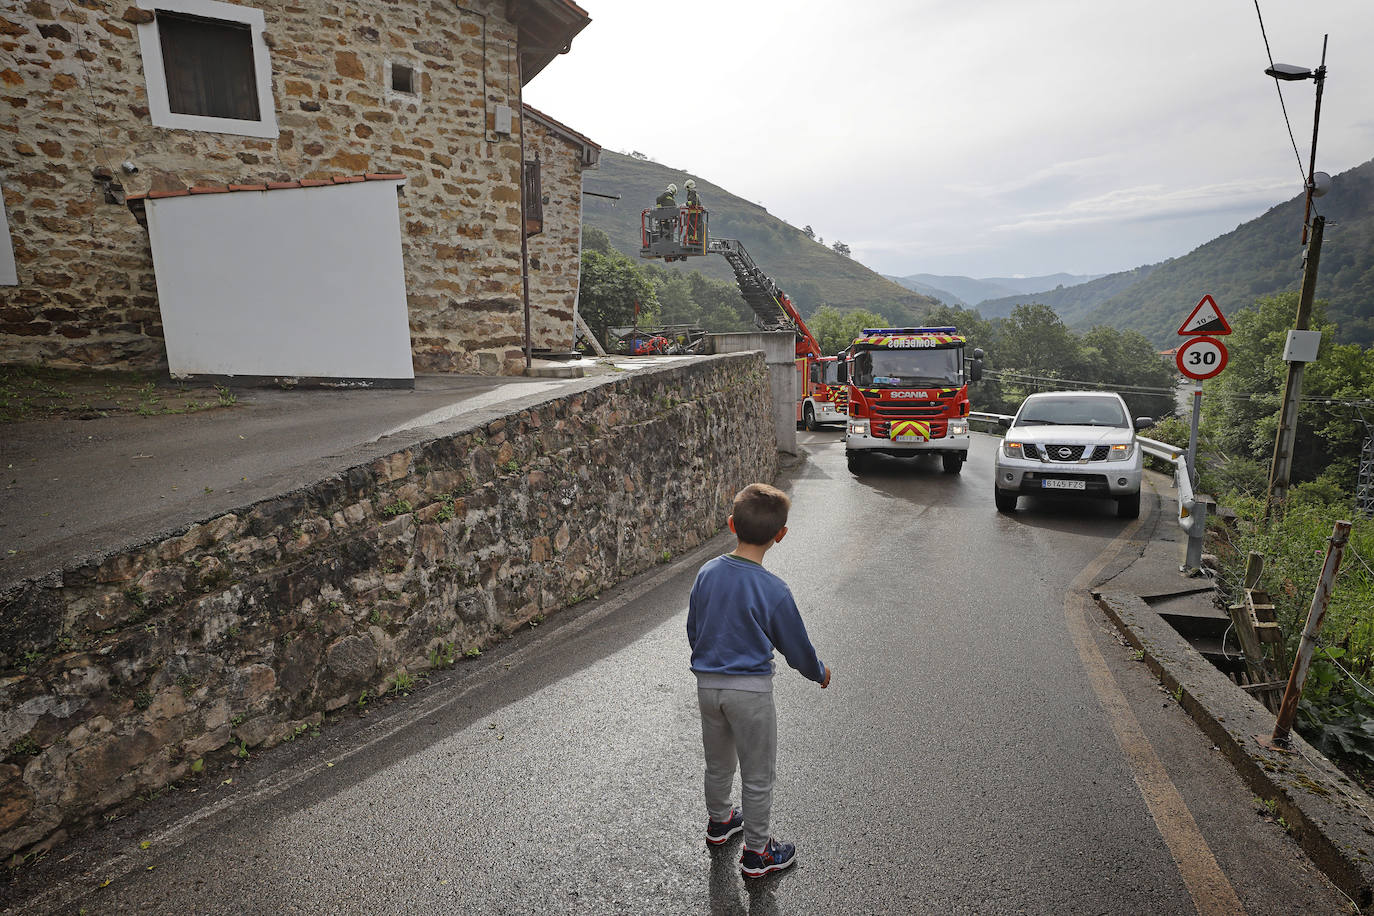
(9, 275)
(304, 282)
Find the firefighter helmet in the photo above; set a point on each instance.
(672, 188)
(691, 184)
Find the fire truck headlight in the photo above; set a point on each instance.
(858, 428)
(958, 427)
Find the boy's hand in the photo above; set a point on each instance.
(826, 683)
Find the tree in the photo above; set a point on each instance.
(835, 330)
(841, 248)
(1035, 341)
(611, 285)
(594, 239)
(810, 233)
(674, 293)
(1241, 405)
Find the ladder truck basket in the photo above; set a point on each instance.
(673, 233)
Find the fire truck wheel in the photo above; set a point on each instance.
(1006, 500)
(856, 462)
(954, 462)
(809, 415)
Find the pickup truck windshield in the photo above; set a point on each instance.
(1072, 411)
(909, 368)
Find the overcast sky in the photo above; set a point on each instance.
(981, 138)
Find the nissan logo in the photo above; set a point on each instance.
(922, 395)
(1065, 452)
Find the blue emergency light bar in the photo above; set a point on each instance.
(874, 331)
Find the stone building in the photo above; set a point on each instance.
(555, 251)
(112, 111)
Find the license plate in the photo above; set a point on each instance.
(1063, 484)
(909, 438)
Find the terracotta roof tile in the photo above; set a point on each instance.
(267, 186)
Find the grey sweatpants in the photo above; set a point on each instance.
(740, 726)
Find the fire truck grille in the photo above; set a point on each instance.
(882, 429)
(907, 411)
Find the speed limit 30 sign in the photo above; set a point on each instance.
(1201, 358)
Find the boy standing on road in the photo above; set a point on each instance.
(738, 614)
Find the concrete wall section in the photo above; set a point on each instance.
(117, 676)
(779, 349)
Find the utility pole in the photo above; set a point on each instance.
(1281, 469)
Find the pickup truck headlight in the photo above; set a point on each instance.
(958, 427)
(1120, 452)
(1012, 449)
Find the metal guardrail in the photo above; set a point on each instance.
(1192, 506)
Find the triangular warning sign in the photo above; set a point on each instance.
(1205, 319)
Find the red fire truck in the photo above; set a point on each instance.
(908, 395)
(821, 397)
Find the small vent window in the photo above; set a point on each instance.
(403, 78)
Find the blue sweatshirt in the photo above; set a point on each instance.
(738, 614)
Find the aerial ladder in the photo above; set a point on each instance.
(676, 233)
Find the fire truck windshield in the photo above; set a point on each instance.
(908, 368)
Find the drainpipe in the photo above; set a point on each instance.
(524, 229)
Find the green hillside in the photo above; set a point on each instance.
(812, 274)
(1257, 259)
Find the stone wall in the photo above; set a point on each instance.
(75, 107)
(117, 676)
(555, 253)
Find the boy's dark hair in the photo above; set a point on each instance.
(760, 511)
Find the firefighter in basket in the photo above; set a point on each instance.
(667, 199)
(693, 213)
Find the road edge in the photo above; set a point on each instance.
(1330, 817)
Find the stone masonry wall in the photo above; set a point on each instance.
(74, 107)
(555, 254)
(117, 676)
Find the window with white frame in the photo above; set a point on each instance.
(207, 67)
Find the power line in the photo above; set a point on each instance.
(1279, 89)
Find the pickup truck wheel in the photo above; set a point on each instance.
(953, 461)
(809, 415)
(1128, 506)
(1006, 500)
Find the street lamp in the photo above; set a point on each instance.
(1290, 73)
(1281, 469)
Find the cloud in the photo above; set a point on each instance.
(1152, 202)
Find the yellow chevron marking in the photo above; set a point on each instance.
(910, 428)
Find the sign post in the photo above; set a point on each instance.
(1201, 358)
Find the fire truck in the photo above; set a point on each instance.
(676, 233)
(908, 395)
(822, 396)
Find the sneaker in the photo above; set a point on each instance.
(718, 832)
(775, 857)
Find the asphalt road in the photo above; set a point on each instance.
(987, 746)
